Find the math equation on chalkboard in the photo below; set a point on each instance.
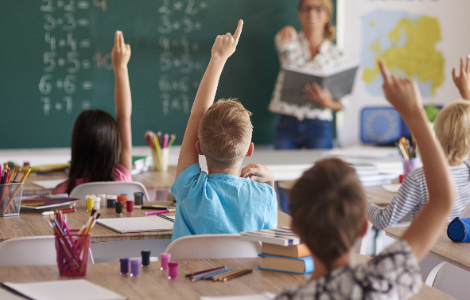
(78, 35)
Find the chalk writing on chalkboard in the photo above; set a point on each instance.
(70, 57)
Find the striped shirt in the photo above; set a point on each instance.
(297, 54)
(413, 196)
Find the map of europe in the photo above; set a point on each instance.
(407, 43)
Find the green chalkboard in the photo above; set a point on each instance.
(55, 62)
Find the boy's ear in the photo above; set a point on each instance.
(198, 148)
(250, 150)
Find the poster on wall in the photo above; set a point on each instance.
(419, 39)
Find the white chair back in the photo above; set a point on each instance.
(108, 187)
(31, 251)
(28, 251)
(212, 246)
(450, 279)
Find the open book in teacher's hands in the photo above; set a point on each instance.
(339, 81)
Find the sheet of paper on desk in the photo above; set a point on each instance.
(49, 184)
(7, 295)
(263, 296)
(79, 289)
(140, 224)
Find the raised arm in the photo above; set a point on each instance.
(224, 46)
(120, 56)
(423, 232)
(462, 82)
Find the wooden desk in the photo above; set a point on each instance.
(35, 224)
(375, 194)
(154, 284)
(444, 248)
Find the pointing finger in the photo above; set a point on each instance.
(116, 38)
(384, 71)
(462, 66)
(454, 75)
(238, 32)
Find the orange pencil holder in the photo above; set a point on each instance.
(72, 253)
(10, 199)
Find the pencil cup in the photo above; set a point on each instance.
(410, 164)
(72, 253)
(10, 199)
(165, 154)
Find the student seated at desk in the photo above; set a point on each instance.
(453, 133)
(328, 206)
(101, 146)
(223, 201)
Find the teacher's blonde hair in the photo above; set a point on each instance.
(330, 29)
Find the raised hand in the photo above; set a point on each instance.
(225, 45)
(258, 173)
(121, 52)
(287, 35)
(462, 82)
(402, 93)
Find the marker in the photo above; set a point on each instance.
(159, 211)
(62, 211)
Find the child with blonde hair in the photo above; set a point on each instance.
(225, 200)
(453, 133)
(328, 207)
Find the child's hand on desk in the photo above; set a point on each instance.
(121, 52)
(258, 173)
(462, 82)
(225, 45)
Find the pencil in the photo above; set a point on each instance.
(221, 276)
(205, 271)
(171, 140)
(238, 274)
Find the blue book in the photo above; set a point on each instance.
(298, 265)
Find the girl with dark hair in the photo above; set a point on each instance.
(102, 146)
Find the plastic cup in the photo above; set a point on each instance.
(164, 260)
(72, 253)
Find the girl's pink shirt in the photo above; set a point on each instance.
(120, 174)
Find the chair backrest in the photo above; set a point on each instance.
(28, 251)
(450, 279)
(109, 187)
(207, 246)
(465, 212)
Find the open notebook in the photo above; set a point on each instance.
(139, 224)
(63, 289)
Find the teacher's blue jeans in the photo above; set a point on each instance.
(292, 133)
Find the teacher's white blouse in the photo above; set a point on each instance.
(298, 54)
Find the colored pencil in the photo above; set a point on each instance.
(238, 274)
(204, 271)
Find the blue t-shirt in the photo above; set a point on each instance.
(221, 203)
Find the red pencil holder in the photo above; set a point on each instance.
(72, 253)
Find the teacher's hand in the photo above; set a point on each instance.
(287, 35)
(321, 96)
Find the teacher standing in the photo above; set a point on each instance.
(304, 126)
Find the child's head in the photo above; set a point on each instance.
(328, 208)
(96, 147)
(452, 127)
(225, 133)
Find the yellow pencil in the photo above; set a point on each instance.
(25, 175)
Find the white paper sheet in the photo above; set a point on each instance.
(79, 289)
(393, 188)
(140, 224)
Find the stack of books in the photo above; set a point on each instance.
(281, 250)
